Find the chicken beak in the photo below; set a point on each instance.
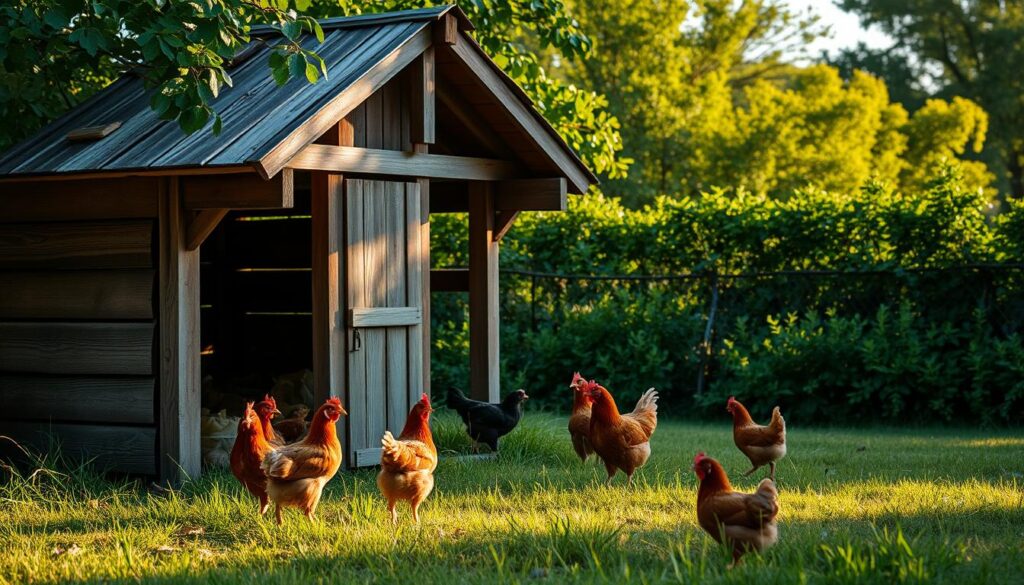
(276, 412)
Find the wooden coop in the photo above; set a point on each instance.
(139, 265)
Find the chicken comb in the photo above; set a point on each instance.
(425, 399)
(334, 401)
(577, 378)
(270, 399)
(248, 408)
(732, 399)
(700, 457)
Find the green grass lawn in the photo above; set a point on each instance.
(882, 506)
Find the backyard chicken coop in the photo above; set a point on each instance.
(144, 272)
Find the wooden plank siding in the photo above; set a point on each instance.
(77, 328)
(77, 348)
(126, 449)
(92, 399)
(96, 244)
(78, 200)
(77, 294)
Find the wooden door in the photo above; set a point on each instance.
(384, 311)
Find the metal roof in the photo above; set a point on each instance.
(257, 114)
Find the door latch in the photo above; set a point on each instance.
(357, 341)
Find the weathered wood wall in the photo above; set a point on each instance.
(77, 318)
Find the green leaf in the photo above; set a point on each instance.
(212, 82)
(55, 18)
(312, 75)
(217, 125)
(280, 75)
(296, 65)
(318, 31)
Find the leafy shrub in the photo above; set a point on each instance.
(865, 304)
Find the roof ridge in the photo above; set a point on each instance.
(376, 18)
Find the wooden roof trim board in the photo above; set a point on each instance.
(518, 104)
(344, 102)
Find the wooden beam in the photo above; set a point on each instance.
(515, 195)
(538, 132)
(394, 164)
(503, 222)
(178, 347)
(422, 99)
(238, 191)
(424, 272)
(202, 225)
(329, 352)
(447, 30)
(281, 155)
(384, 316)
(449, 280)
(531, 195)
(484, 381)
(105, 175)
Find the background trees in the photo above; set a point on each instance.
(972, 49)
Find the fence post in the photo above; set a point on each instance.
(705, 346)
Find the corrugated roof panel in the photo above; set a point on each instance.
(254, 111)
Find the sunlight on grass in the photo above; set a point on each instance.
(859, 506)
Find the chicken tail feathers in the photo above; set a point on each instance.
(778, 423)
(456, 400)
(647, 403)
(405, 455)
(277, 465)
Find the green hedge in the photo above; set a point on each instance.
(908, 336)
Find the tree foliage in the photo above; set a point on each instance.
(55, 53)
(971, 49)
(707, 99)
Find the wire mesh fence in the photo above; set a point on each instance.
(553, 323)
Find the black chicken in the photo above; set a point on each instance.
(485, 422)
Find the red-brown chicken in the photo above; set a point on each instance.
(761, 444)
(247, 455)
(745, 521)
(622, 441)
(579, 421)
(297, 473)
(407, 463)
(267, 410)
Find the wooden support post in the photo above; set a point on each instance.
(328, 330)
(179, 387)
(424, 259)
(484, 381)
